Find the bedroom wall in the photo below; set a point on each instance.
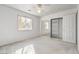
(69, 19)
(56, 15)
(8, 26)
(78, 27)
(69, 28)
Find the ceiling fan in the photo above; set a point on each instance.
(39, 8)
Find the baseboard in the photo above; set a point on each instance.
(23, 40)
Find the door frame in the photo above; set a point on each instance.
(51, 25)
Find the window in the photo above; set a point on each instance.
(24, 23)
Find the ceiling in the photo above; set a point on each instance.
(46, 8)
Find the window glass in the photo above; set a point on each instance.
(24, 23)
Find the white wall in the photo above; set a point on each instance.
(69, 28)
(62, 14)
(78, 28)
(8, 26)
(56, 15)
